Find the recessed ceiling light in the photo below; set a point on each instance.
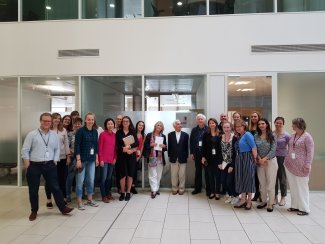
(48, 7)
(179, 3)
(112, 5)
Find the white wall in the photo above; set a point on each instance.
(183, 45)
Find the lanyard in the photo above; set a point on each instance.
(294, 140)
(46, 143)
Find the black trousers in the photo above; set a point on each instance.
(49, 172)
(198, 173)
(62, 171)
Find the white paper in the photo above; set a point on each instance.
(224, 165)
(158, 140)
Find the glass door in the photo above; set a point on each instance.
(250, 93)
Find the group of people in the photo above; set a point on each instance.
(237, 159)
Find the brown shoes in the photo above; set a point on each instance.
(174, 192)
(110, 197)
(66, 210)
(105, 200)
(32, 216)
(181, 192)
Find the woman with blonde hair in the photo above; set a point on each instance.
(154, 146)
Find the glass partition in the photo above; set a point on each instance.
(111, 9)
(49, 9)
(155, 8)
(8, 10)
(300, 5)
(302, 95)
(250, 93)
(168, 98)
(8, 135)
(45, 94)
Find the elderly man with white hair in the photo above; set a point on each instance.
(196, 153)
(178, 154)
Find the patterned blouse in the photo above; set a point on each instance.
(226, 151)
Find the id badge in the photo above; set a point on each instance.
(139, 152)
(47, 154)
(92, 151)
(200, 143)
(213, 151)
(293, 155)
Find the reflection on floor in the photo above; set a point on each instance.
(167, 219)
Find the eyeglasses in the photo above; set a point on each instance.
(46, 121)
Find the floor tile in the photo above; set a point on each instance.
(201, 231)
(120, 236)
(145, 241)
(201, 215)
(289, 238)
(173, 221)
(259, 232)
(233, 237)
(127, 221)
(149, 229)
(205, 242)
(154, 214)
(85, 240)
(227, 222)
(316, 234)
(175, 237)
(95, 228)
(27, 239)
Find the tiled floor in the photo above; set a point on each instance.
(167, 219)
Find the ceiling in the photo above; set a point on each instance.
(249, 85)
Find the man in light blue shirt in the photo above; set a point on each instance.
(40, 153)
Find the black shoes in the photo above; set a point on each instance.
(263, 205)
(133, 190)
(195, 192)
(153, 195)
(269, 210)
(122, 197)
(243, 205)
(127, 196)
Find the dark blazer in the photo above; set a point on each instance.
(208, 144)
(178, 151)
(147, 148)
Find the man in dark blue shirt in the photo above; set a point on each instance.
(196, 153)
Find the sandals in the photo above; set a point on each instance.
(293, 210)
(302, 213)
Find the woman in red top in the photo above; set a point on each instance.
(107, 159)
(140, 127)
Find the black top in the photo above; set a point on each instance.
(211, 148)
(178, 151)
(120, 144)
(196, 137)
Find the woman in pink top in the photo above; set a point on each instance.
(107, 159)
(298, 166)
(140, 127)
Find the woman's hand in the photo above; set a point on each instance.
(79, 164)
(220, 166)
(203, 160)
(306, 169)
(125, 149)
(101, 164)
(230, 169)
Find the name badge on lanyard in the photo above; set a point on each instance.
(92, 151)
(213, 151)
(47, 154)
(293, 155)
(200, 143)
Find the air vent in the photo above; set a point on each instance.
(288, 48)
(78, 53)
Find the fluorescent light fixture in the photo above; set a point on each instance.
(58, 78)
(54, 88)
(246, 89)
(179, 3)
(243, 82)
(234, 75)
(231, 83)
(48, 7)
(112, 5)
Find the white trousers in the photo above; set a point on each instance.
(267, 177)
(155, 176)
(299, 191)
(178, 176)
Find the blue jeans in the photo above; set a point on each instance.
(87, 175)
(70, 176)
(106, 178)
(49, 172)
